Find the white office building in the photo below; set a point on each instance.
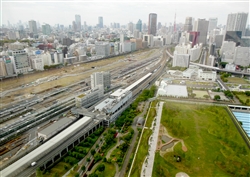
(47, 58)
(207, 75)
(195, 52)
(182, 49)
(227, 46)
(102, 49)
(37, 62)
(181, 60)
(242, 56)
(88, 99)
(20, 61)
(32, 26)
(100, 78)
(178, 91)
(210, 61)
(230, 66)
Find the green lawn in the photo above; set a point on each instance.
(243, 98)
(215, 148)
(237, 80)
(58, 169)
(151, 116)
(141, 153)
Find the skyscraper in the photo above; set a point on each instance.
(237, 22)
(159, 25)
(152, 21)
(201, 26)
(32, 26)
(78, 22)
(212, 24)
(139, 25)
(100, 22)
(131, 27)
(46, 29)
(188, 24)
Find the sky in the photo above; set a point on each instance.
(119, 11)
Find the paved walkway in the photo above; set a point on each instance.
(147, 167)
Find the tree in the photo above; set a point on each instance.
(92, 152)
(93, 175)
(101, 167)
(39, 173)
(217, 97)
(83, 168)
(247, 93)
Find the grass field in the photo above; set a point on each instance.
(237, 80)
(214, 146)
(243, 98)
(151, 116)
(141, 153)
(200, 93)
(58, 169)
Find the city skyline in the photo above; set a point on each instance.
(63, 12)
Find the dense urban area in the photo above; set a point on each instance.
(136, 100)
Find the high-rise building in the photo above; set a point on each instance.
(78, 22)
(237, 22)
(20, 61)
(152, 21)
(201, 26)
(131, 27)
(121, 38)
(74, 27)
(32, 26)
(159, 25)
(212, 24)
(188, 24)
(100, 22)
(46, 29)
(139, 25)
(100, 78)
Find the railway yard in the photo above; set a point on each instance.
(32, 102)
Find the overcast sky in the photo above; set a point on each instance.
(119, 11)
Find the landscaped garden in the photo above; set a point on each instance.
(214, 145)
(244, 97)
(141, 153)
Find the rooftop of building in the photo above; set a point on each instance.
(81, 96)
(56, 126)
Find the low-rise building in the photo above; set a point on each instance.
(230, 66)
(88, 99)
(102, 49)
(207, 75)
